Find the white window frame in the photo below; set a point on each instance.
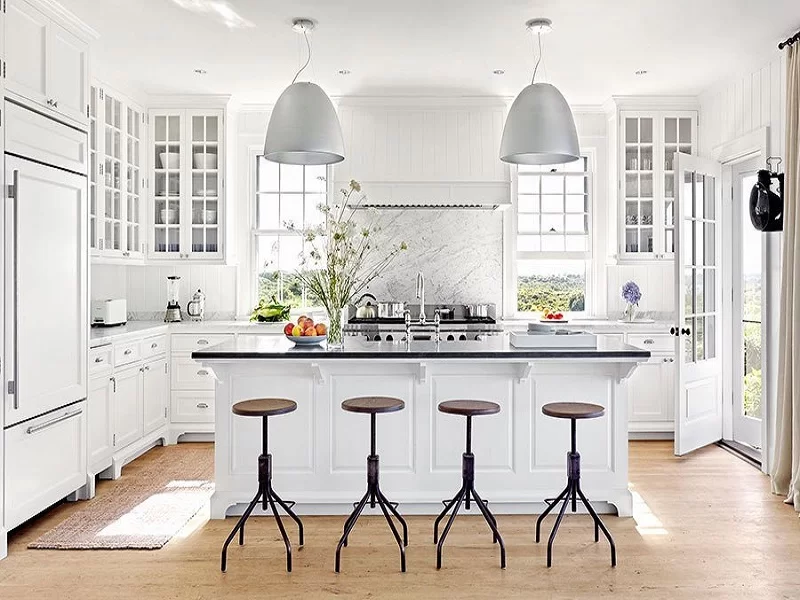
(255, 232)
(511, 256)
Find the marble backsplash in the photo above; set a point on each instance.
(460, 253)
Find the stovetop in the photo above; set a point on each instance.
(444, 321)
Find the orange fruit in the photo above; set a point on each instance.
(321, 329)
(309, 331)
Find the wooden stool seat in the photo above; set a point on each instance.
(469, 408)
(373, 404)
(573, 410)
(264, 407)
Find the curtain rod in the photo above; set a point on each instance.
(789, 41)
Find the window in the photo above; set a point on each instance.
(286, 195)
(552, 236)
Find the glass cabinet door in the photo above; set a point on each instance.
(112, 173)
(133, 218)
(205, 131)
(166, 138)
(93, 149)
(677, 137)
(638, 185)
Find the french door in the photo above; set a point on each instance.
(698, 289)
(749, 294)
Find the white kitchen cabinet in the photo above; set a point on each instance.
(651, 401)
(45, 63)
(100, 419)
(116, 181)
(187, 184)
(128, 406)
(155, 390)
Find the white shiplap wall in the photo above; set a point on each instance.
(748, 102)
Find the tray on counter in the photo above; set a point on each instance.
(553, 339)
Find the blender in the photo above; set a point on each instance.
(173, 312)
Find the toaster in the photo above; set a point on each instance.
(113, 311)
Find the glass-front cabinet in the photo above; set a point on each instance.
(115, 176)
(648, 141)
(188, 188)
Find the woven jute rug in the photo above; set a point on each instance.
(152, 501)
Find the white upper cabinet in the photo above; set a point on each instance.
(45, 63)
(187, 187)
(116, 181)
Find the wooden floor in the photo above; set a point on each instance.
(706, 526)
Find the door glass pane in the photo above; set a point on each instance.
(751, 255)
(688, 343)
(710, 341)
(699, 340)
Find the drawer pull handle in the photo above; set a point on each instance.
(202, 405)
(649, 342)
(127, 352)
(99, 359)
(41, 426)
(202, 372)
(202, 342)
(153, 346)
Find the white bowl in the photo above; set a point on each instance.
(211, 217)
(205, 160)
(306, 340)
(170, 160)
(169, 216)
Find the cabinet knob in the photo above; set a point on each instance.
(202, 342)
(649, 342)
(153, 346)
(99, 359)
(127, 352)
(202, 372)
(202, 405)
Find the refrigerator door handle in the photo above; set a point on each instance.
(13, 384)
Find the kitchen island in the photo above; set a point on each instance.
(320, 451)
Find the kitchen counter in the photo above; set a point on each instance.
(99, 336)
(320, 450)
(495, 347)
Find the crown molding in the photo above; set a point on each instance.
(67, 18)
(651, 103)
(158, 101)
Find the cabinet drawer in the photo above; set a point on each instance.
(126, 353)
(184, 342)
(188, 374)
(100, 360)
(193, 407)
(154, 346)
(49, 462)
(654, 342)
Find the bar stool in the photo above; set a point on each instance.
(469, 409)
(573, 411)
(265, 408)
(374, 405)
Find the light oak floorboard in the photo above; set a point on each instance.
(710, 529)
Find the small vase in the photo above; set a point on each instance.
(336, 317)
(630, 312)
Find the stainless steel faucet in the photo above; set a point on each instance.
(421, 296)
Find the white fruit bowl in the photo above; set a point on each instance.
(306, 340)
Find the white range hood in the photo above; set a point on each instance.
(418, 153)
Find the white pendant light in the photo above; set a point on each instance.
(540, 128)
(303, 128)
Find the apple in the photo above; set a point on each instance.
(321, 329)
(308, 323)
(288, 329)
(309, 331)
(300, 319)
(297, 331)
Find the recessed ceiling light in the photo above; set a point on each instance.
(200, 71)
(344, 72)
(641, 72)
(499, 72)
(303, 25)
(540, 26)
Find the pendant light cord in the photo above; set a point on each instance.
(538, 60)
(308, 60)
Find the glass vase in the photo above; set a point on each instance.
(630, 312)
(336, 317)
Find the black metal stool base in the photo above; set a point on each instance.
(268, 498)
(465, 495)
(374, 496)
(571, 494)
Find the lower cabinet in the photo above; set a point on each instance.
(128, 406)
(155, 390)
(651, 397)
(100, 409)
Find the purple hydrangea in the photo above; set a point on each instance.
(631, 293)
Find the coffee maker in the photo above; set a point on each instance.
(173, 312)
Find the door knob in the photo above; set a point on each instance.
(673, 331)
(686, 331)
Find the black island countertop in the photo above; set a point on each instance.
(250, 347)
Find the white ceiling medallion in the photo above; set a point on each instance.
(303, 128)
(540, 128)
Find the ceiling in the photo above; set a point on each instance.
(433, 47)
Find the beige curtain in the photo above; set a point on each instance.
(786, 464)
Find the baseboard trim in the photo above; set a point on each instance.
(650, 435)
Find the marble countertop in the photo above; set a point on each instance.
(99, 336)
(498, 347)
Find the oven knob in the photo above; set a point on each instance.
(378, 338)
(390, 338)
(478, 337)
(450, 338)
(462, 338)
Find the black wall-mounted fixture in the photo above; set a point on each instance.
(766, 199)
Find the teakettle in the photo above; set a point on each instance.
(196, 307)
